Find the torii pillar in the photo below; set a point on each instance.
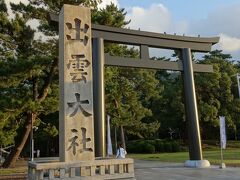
(194, 139)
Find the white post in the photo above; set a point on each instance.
(222, 165)
(222, 139)
(221, 153)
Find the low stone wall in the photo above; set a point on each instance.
(97, 169)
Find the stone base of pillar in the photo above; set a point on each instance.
(197, 163)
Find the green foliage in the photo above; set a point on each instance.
(141, 147)
(128, 91)
(124, 99)
(110, 16)
(149, 148)
(24, 81)
(29, 67)
(168, 109)
(3, 6)
(216, 96)
(40, 10)
(152, 146)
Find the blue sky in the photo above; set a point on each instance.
(182, 8)
(205, 17)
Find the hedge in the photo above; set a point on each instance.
(153, 146)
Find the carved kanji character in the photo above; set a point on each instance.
(76, 32)
(84, 141)
(78, 105)
(73, 142)
(78, 64)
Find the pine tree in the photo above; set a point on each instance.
(216, 95)
(29, 80)
(26, 80)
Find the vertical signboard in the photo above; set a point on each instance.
(223, 137)
(238, 83)
(76, 93)
(109, 141)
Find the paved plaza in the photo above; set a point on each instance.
(153, 170)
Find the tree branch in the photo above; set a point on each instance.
(35, 88)
(44, 91)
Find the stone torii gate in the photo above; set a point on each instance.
(145, 40)
(82, 136)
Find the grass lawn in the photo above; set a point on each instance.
(231, 156)
(21, 167)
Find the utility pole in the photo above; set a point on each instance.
(32, 140)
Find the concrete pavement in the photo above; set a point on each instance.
(153, 170)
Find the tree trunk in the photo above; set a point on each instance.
(48, 149)
(123, 137)
(116, 143)
(140, 136)
(121, 127)
(13, 156)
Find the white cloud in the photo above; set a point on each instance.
(180, 27)
(228, 43)
(221, 22)
(104, 3)
(156, 18)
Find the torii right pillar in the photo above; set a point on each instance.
(194, 138)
